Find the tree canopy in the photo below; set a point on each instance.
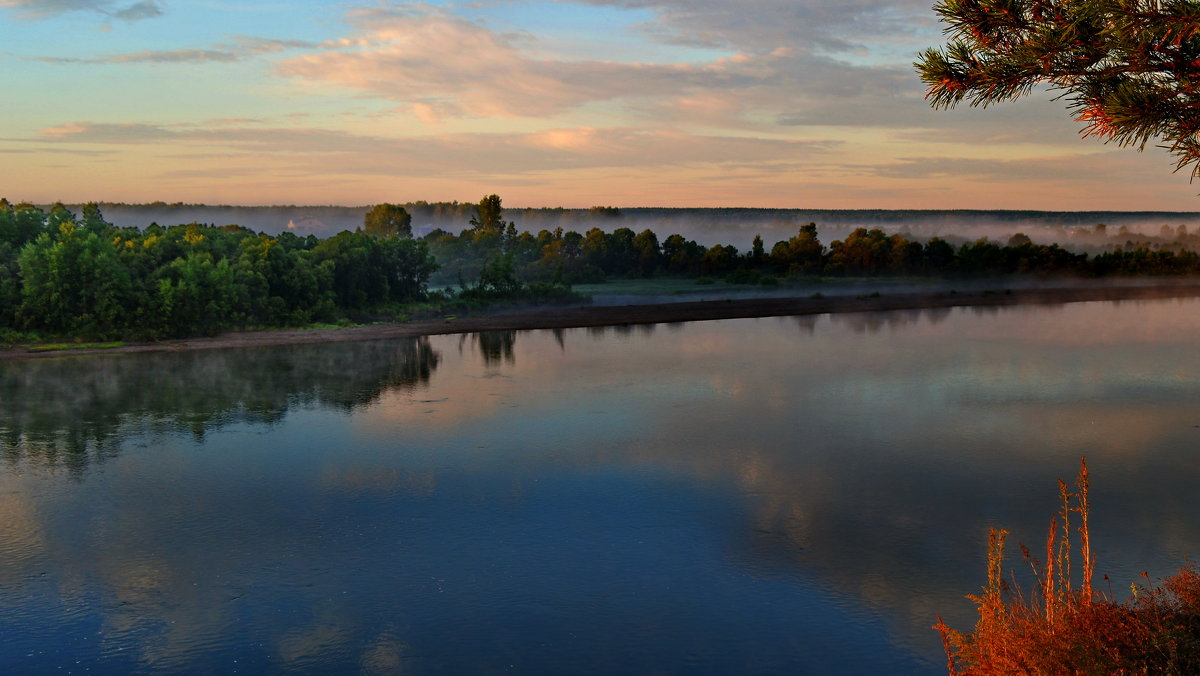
(489, 215)
(1129, 69)
(385, 220)
(85, 277)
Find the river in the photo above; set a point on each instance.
(797, 495)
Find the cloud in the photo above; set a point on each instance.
(147, 9)
(438, 65)
(239, 49)
(1116, 167)
(87, 132)
(763, 25)
(909, 119)
(55, 151)
(441, 65)
(40, 9)
(333, 152)
(448, 66)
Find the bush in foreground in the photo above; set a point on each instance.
(1058, 628)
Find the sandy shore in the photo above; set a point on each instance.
(584, 316)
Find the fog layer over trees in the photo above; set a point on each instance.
(736, 226)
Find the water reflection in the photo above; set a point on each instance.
(495, 347)
(71, 412)
(719, 497)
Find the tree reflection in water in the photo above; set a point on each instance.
(72, 412)
(496, 347)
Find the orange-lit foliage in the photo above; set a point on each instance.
(1063, 629)
(1127, 68)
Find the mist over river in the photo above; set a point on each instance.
(783, 495)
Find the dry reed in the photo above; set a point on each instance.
(1075, 630)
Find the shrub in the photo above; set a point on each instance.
(1060, 629)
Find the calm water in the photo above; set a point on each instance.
(796, 495)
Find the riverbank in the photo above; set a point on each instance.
(567, 317)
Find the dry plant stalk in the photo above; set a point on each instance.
(1048, 579)
(1071, 630)
(1085, 544)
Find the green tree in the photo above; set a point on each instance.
(59, 214)
(906, 256)
(623, 256)
(938, 255)
(407, 265)
(981, 257)
(594, 248)
(497, 279)
(649, 253)
(10, 285)
(682, 255)
(93, 220)
(357, 282)
(863, 251)
(1129, 69)
(368, 271)
(388, 220)
(297, 290)
(196, 296)
(757, 252)
(719, 259)
(604, 212)
(489, 215)
(802, 254)
(73, 282)
(20, 224)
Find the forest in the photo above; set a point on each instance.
(598, 254)
(64, 274)
(68, 275)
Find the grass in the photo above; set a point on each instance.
(664, 286)
(654, 286)
(1066, 627)
(57, 347)
(317, 326)
(437, 307)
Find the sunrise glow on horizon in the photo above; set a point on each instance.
(574, 103)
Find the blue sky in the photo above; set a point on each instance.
(772, 103)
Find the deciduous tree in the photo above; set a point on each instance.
(489, 215)
(387, 220)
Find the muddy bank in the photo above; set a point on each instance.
(584, 316)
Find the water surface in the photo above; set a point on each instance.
(796, 495)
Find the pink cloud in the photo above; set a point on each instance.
(333, 151)
(442, 65)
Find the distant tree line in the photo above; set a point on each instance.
(79, 275)
(595, 255)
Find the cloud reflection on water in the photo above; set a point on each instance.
(865, 454)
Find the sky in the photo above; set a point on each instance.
(575, 103)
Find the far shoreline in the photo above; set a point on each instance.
(584, 316)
